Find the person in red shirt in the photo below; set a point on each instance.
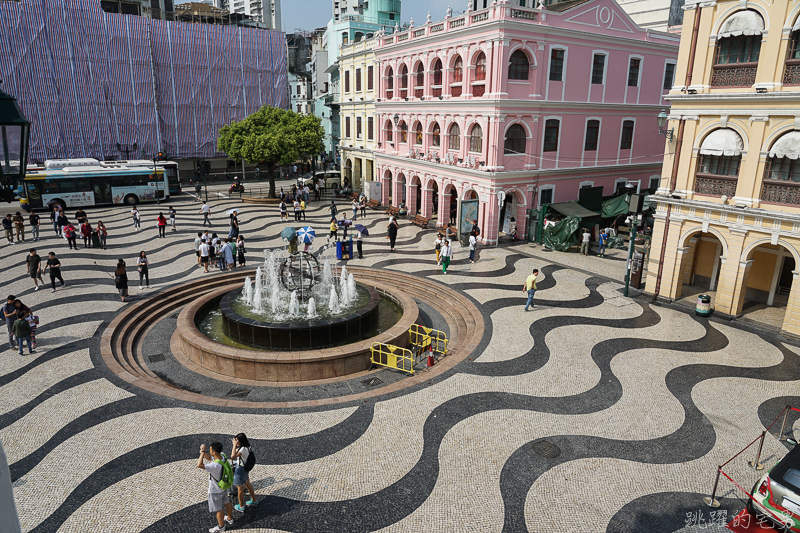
(86, 233)
(162, 226)
(70, 234)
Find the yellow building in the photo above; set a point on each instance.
(358, 76)
(728, 217)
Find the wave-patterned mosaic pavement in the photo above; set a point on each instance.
(592, 413)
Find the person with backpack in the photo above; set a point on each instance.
(220, 479)
(243, 462)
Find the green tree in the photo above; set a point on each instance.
(273, 137)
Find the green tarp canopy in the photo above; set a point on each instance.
(572, 209)
(619, 205)
(561, 236)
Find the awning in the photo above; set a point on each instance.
(796, 25)
(745, 22)
(573, 209)
(722, 142)
(333, 68)
(620, 205)
(787, 146)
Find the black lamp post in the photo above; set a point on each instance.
(15, 131)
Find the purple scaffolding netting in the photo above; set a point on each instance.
(88, 80)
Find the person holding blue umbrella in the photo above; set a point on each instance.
(361, 231)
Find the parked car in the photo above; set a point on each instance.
(776, 496)
(329, 178)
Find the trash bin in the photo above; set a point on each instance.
(96, 240)
(343, 250)
(703, 305)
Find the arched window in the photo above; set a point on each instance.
(454, 137)
(476, 139)
(436, 86)
(518, 67)
(418, 133)
(782, 173)
(388, 130)
(515, 140)
(419, 81)
(791, 76)
(718, 167)
(458, 77)
(389, 83)
(480, 67)
(436, 135)
(738, 49)
(404, 82)
(403, 129)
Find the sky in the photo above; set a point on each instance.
(311, 14)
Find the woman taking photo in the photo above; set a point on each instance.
(121, 280)
(241, 477)
(141, 263)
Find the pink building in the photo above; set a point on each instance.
(532, 103)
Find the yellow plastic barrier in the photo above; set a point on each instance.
(428, 339)
(392, 357)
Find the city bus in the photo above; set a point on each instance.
(170, 169)
(87, 182)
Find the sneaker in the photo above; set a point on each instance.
(63, 284)
(251, 503)
(36, 288)
(216, 529)
(239, 508)
(33, 351)
(53, 290)
(140, 287)
(228, 520)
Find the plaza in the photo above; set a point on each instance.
(593, 412)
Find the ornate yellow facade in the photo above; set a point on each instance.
(358, 78)
(728, 216)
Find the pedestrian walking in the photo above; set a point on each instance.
(243, 460)
(10, 315)
(55, 270)
(197, 242)
(102, 233)
(234, 226)
(296, 209)
(282, 207)
(204, 255)
(86, 233)
(473, 245)
(333, 209)
(33, 322)
(22, 331)
(121, 280)
(316, 191)
(447, 255)
(362, 203)
(601, 244)
(33, 222)
(354, 207)
(530, 288)
(19, 226)
(240, 250)
(80, 216)
(220, 479)
(71, 235)
(137, 222)
(54, 220)
(142, 265)
(359, 239)
(33, 264)
(8, 227)
(586, 236)
(62, 222)
(206, 210)
(392, 229)
(172, 216)
(161, 222)
(334, 229)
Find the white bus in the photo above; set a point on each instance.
(87, 182)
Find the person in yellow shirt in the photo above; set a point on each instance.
(303, 209)
(334, 228)
(530, 288)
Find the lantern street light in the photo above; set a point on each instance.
(15, 132)
(662, 121)
(396, 119)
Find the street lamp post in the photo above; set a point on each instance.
(15, 132)
(662, 119)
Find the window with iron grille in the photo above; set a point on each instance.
(719, 165)
(794, 45)
(633, 72)
(592, 132)
(358, 80)
(347, 127)
(454, 135)
(389, 83)
(370, 129)
(518, 67)
(480, 67)
(388, 130)
(358, 127)
(782, 169)
(418, 133)
(420, 76)
(476, 139)
(598, 69)
(515, 140)
(546, 196)
(458, 70)
(347, 81)
(627, 135)
(551, 135)
(436, 135)
(556, 64)
(736, 50)
(403, 131)
(669, 76)
(791, 75)
(370, 77)
(437, 73)
(404, 78)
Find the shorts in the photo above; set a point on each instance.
(217, 501)
(240, 476)
(198, 253)
(204, 259)
(36, 274)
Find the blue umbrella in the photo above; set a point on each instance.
(288, 233)
(362, 229)
(306, 235)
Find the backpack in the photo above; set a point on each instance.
(226, 480)
(251, 461)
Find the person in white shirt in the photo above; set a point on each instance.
(437, 246)
(218, 500)
(136, 219)
(359, 239)
(473, 245)
(447, 255)
(585, 242)
(206, 212)
(241, 477)
(197, 242)
(204, 253)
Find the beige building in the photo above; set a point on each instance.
(728, 217)
(358, 81)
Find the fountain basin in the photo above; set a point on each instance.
(299, 335)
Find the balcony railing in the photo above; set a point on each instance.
(455, 91)
(419, 33)
(520, 14)
(478, 90)
(403, 93)
(437, 27)
(716, 185)
(787, 193)
(418, 92)
(737, 75)
(792, 74)
(437, 91)
(480, 17)
(457, 23)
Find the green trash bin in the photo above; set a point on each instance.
(703, 305)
